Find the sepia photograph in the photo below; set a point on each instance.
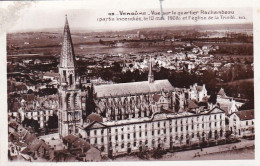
(141, 84)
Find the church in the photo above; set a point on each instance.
(130, 117)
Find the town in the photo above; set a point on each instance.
(142, 93)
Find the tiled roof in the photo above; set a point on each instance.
(70, 138)
(132, 88)
(94, 117)
(246, 114)
(80, 143)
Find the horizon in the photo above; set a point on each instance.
(177, 27)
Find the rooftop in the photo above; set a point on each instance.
(246, 114)
(133, 88)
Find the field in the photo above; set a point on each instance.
(50, 44)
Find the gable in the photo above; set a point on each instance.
(95, 125)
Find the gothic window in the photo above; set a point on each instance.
(64, 74)
(68, 101)
(70, 80)
(75, 101)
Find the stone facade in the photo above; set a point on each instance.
(162, 130)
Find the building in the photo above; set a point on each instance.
(164, 130)
(228, 104)
(241, 123)
(198, 93)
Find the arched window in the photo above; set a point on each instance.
(75, 100)
(68, 101)
(70, 79)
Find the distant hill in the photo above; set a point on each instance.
(230, 27)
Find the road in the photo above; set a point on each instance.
(242, 149)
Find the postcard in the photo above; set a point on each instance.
(129, 81)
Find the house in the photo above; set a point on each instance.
(241, 123)
(198, 93)
(228, 104)
(93, 154)
(81, 149)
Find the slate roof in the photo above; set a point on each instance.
(132, 88)
(192, 105)
(156, 97)
(246, 114)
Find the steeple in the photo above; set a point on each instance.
(67, 69)
(150, 75)
(67, 58)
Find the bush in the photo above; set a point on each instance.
(158, 153)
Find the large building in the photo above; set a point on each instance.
(164, 130)
(136, 116)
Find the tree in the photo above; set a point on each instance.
(30, 91)
(213, 98)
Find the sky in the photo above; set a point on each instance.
(84, 14)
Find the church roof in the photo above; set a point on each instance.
(67, 57)
(132, 88)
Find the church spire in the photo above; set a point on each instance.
(150, 75)
(67, 58)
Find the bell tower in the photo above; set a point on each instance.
(70, 107)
